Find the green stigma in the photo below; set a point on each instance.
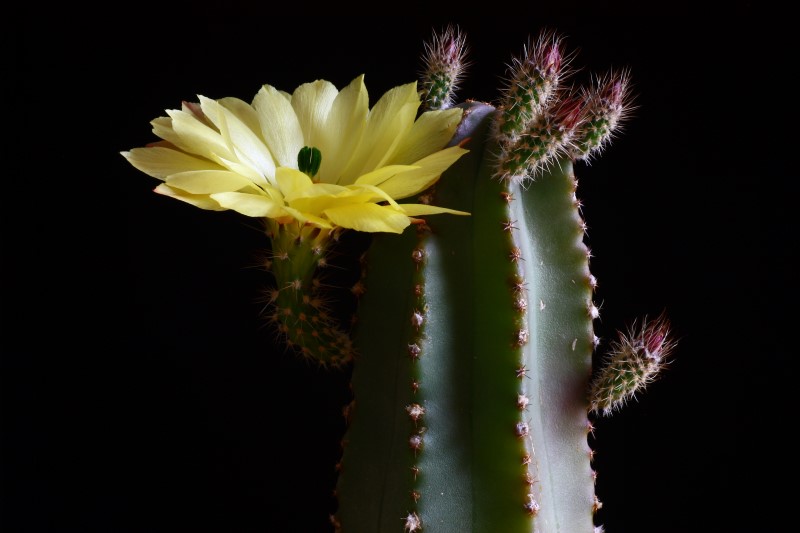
(308, 160)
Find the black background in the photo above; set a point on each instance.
(140, 389)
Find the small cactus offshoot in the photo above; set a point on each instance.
(634, 361)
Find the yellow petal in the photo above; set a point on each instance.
(415, 210)
(387, 123)
(431, 132)
(369, 218)
(307, 218)
(244, 142)
(291, 181)
(376, 177)
(377, 194)
(159, 162)
(208, 181)
(322, 196)
(203, 201)
(196, 137)
(343, 130)
(312, 102)
(162, 127)
(245, 170)
(279, 126)
(252, 205)
(430, 169)
(243, 112)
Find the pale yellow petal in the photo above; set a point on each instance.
(431, 132)
(378, 194)
(369, 218)
(279, 126)
(245, 144)
(252, 205)
(376, 177)
(291, 181)
(312, 102)
(208, 181)
(162, 127)
(243, 112)
(343, 130)
(197, 138)
(388, 122)
(322, 196)
(160, 162)
(415, 210)
(245, 170)
(308, 218)
(430, 169)
(203, 201)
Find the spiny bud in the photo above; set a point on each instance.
(633, 362)
(533, 81)
(444, 66)
(607, 104)
(545, 138)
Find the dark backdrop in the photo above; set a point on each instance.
(141, 390)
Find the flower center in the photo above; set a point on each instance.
(308, 160)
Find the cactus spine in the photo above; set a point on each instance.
(475, 335)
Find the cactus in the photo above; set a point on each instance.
(472, 349)
(470, 408)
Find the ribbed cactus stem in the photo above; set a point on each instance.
(300, 309)
(470, 407)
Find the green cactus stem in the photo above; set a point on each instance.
(300, 302)
(499, 372)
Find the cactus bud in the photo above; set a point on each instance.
(534, 79)
(607, 106)
(444, 66)
(633, 362)
(545, 138)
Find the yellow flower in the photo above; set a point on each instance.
(318, 156)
